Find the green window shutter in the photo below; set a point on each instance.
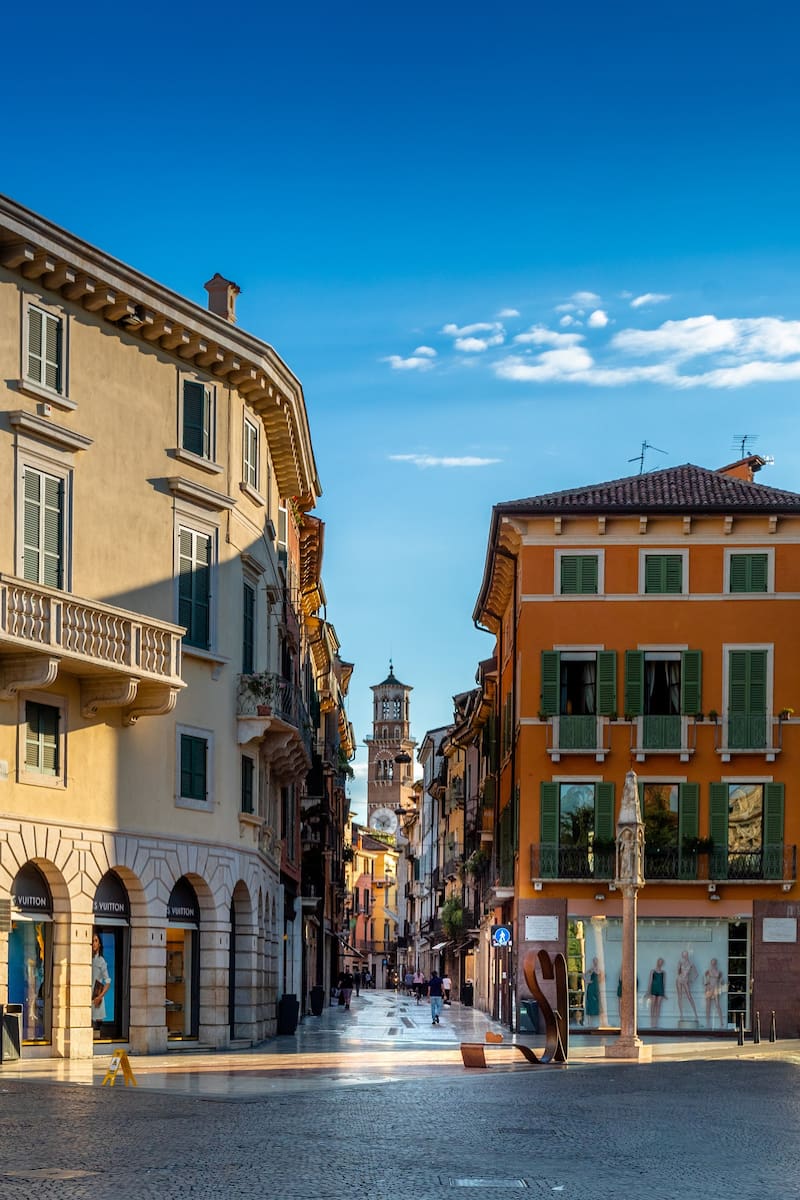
(248, 628)
(41, 738)
(748, 573)
(634, 683)
(606, 682)
(718, 817)
(195, 418)
(579, 574)
(193, 767)
(194, 586)
(688, 811)
(663, 573)
(43, 528)
(747, 682)
(35, 342)
(569, 575)
(52, 352)
(692, 681)
(604, 811)
(551, 682)
(773, 830)
(548, 829)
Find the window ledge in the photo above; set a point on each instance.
(45, 394)
(253, 494)
(683, 752)
(208, 656)
(45, 431)
(197, 460)
(769, 753)
(598, 753)
(195, 805)
(35, 779)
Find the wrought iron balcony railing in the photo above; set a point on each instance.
(587, 863)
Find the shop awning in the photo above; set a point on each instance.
(344, 944)
(441, 945)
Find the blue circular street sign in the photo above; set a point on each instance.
(501, 936)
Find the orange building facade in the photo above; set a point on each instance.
(650, 624)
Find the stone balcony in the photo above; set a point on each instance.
(270, 710)
(122, 660)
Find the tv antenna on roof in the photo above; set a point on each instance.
(740, 441)
(639, 458)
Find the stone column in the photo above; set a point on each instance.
(629, 878)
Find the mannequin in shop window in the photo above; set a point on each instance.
(656, 992)
(101, 982)
(713, 980)
(594, 996)
(687, 973)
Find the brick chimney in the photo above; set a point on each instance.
(222, 295)
(743, 468)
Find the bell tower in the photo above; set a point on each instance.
(390, 753)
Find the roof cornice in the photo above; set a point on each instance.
(137, 306)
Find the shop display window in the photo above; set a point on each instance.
(30, 976)
(692, 974)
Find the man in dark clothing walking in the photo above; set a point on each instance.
(435, 994)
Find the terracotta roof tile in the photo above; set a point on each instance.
(676, 489)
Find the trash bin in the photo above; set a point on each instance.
(288, 1013)
(467, 994)
(317, 1000)
(529, 1016)
(10, 1036)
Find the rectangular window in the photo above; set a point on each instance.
(747, 699)
(579, 574)
(749, 573)
(194, 587)
(45, 349)
(250, 446)
(663, 573)
(248, 628)
(248, 775)
(197, 424)
(41, 739)
(576, 829)
(194, 767)
(43, 528)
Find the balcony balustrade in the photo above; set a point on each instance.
(123, 659)
(267, 705)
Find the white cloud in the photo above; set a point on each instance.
(459, 331)
(566, 308)
(550, 366)
(585, 298)
(540, 335)
(508, 312)
(430, 460)
(694, 336)
(425, 351)
(647, 298)
(567, 320)
(473, 345)
(598, 319)
(414, 363)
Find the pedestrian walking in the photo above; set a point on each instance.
(419, 984)
(345, 988)
(447, 984)
(435, 995)
(408, 983)
(367, 979)
(357, 981)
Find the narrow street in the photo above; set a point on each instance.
(375, 1103)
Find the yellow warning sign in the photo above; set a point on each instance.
(119, 1061)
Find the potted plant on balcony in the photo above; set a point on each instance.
(785, 714)
(452, 917)
(262, 688)
(713, 715)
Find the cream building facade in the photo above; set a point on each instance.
(156, 683)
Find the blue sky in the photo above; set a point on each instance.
(500, 248)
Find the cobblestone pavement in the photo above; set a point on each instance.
(707, 1121)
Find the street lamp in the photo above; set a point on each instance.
(629, 878)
